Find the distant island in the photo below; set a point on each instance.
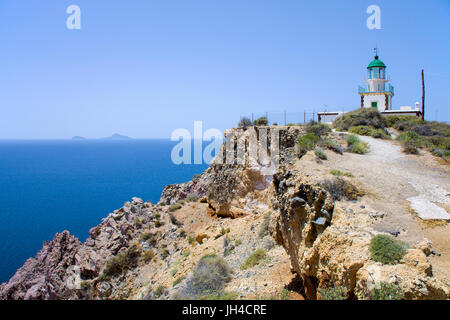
(115, 136)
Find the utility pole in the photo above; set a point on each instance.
(284, 117)
(423, 96)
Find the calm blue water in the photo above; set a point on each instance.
(51, 186)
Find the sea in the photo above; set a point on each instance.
(50, 186)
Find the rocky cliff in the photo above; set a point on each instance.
(323, 226)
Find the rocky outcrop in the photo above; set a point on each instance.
(242, 173)
(195, 189)
(46, 276)
(65, 268)
(328, 243)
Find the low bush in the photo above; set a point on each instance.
(254, 259)
(208, 278)
(339, 189)
(411, 142)
(355, 145)
(122, 262)
(352, 139)
(261, 122)
(148, 237)
(333, 293)
(431, 135)
(333, 146)
(339, 173)
(245, 122)
(175, 207)
(320, 154)
(159, 291)
(138, 222)
(387, 250)
(368, 131)
(365, 117)
(317, 128)
(148, 255)
(386, 291)
(305, 143)
(178, 280)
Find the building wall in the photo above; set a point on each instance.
(380, 98)
(376, 85)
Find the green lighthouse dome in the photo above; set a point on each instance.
(376, 64)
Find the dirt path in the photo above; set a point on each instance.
(405, 187)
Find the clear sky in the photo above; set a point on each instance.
(145, 68)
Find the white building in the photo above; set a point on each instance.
(378, 93)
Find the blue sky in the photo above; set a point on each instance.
(145, 68)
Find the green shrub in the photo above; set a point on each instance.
(148, 255)
(352, 139)
(386, 291)
(261, 122)
(305, 143)
(365, 117)
(148, 237)
(175, 207)
(159, 291)
(318, 129)
(333, 293)
(174, 272)
(138, 222)
(178, 280)
(186, 253)
(164, 253)
(224, 231)
(339, 173)
(387, 250)
(191, 240)
(320, 154)
(369, 131)
(359, 148)
(361, 130)
(417, 133)
(254, 259)
(244, 123)
(410, 142)
(208, 278)
(122, 262)
(333, 146)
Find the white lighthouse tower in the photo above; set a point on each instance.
(378, 93)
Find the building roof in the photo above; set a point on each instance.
(376, 64)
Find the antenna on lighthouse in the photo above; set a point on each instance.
(376, 52)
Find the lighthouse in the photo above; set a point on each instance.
(378, 93)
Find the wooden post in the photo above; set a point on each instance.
(284, 117)
(423, 96)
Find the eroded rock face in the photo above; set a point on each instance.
(198, 187)
(240, 178)
(45, 276)
(336, 251)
